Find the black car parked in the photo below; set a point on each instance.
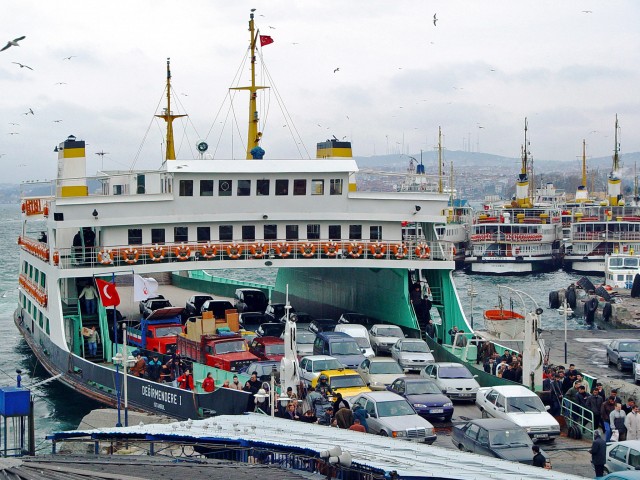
(250, 300)
(194, 304)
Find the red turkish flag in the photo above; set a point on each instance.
(265, 40)
(108, 293)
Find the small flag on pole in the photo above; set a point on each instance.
(144, 288)
(265, 40)
(108, 293)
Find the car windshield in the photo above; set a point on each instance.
(390, 332)
(421, 388)
(254, 296)
(345, 348)
(168, 331)
(160, 304)
(454, 372)
(331, 364)
(363, 342)
(198, 301)
(275, 349)
(385, 367)
(396, 408)
(525, 404)
(415, 347)
(230, 347)
(629, 347)
(305, 338)
(509, 438)
(346, 381)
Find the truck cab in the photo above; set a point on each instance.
(227, 351)
(159, 331)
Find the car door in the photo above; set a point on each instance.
(612, 350)
(363, 370)
(499, 409)
(398, 387)
(470, 437)
(633, 460)
(617, 460)
(489, 402)
(482, 443)
(395, 350)
(373, 421)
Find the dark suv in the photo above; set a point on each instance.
(194, 304)
(218, 307)
(250, 300)
(275, 311)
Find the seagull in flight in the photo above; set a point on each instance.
(69, 57)
(13, 123)
(12, 43)
(29, 112)
(13, 133)
(273, 28)
(57, 121)
(22, 65)
(587, 11)
(60, 83)
(435, 19)
(336, 70)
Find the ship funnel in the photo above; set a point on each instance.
(72, 168)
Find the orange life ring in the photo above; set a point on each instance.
(378, 250)
(56, 258)
(453, 250)
(130, 255)
(283, 250)
(105, 257)
(423, 251)
(208, 251)
(157, 253)
(330, 249)
(399, 251)
(234, 251)
(182, 252)
(307, 249)
(258, 250)
(355, 249)
(45, 211)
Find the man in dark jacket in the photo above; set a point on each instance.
(594, 403)
(538, 458)
(598, 453)
(605, 412)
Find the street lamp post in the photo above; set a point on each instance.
(565, 310)
(472, 292)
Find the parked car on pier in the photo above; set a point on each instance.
(622, 456)
(622, 352)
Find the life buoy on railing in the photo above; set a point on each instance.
(378, 250)
(399, 251)
(355, 249)
(105, 257)
(130, 255)
(45, 211)
(56, 257)
(182, 252)
(23, 207)
(234, 251)
(208, 251)
(307, 249)
(330, 249)
(157, 253)
(258, 250)
(283, 250)
(423, 251)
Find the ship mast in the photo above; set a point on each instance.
(253, 136)
(614, 181)
(440, 190)
(522, 185)
(170, 153)
(584, 163)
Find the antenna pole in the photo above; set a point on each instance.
(440, 160)
(170, 152)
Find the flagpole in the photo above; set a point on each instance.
(115, 337)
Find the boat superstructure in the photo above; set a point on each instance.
(620, 269)
(519, 237)
(336, 248)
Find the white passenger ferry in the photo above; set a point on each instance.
(338, 250)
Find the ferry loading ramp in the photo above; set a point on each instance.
(370, 453)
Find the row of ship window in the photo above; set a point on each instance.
(248, 233)
(243, 188)
(35, 313)
(34, 274)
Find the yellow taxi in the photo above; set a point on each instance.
(345, 381)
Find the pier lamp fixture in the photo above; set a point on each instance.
(472, 292)
(417, 209)
(565, 310)
(265, 216)
(95, 214)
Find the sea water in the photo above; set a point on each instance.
(60, 408)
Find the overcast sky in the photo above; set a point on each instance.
(485, 64)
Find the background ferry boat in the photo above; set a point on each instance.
(620, 269)
(337, 250)
(519, 237)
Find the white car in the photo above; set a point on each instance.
(453, 379)
(636, 368)
(383, 337)
(379, 372)
(390, 415)
(521, 406)
(312, 365)
(360, 335)
(412, 353)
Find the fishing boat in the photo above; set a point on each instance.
(336, 248)
(503, 324)
(519, 237)
(599, 230)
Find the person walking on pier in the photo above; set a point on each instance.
(538, 458)
(632, 422)
(594, 403)
(628, 407)
(605, 414)
(616, 420)
(598, 453)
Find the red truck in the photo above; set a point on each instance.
(227, 352)
(158, 332)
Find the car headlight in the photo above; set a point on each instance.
(528, 429)
(429, 431)
(555, 428)
(399, 434)
(448, 404)
(419, 405)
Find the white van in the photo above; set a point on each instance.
(360, 334)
